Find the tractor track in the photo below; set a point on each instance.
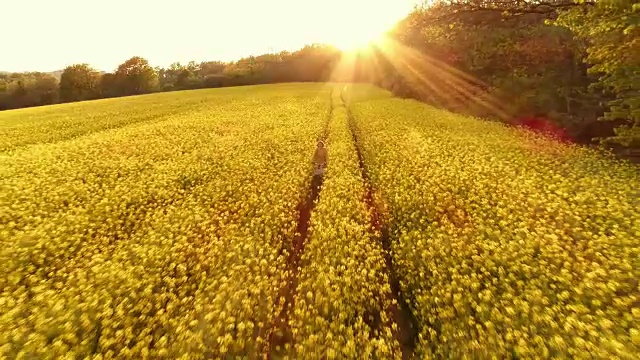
(406, 332)
(280, 332)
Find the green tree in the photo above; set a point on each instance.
(79, 82)
(180, 77)
(18, 90)
(500, 59)
(187, 77)
(168, 77)
(108, 86)
(46, 89)
(611, 29)
(211, 68)
(135, 76)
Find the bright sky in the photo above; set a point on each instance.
(48, 35)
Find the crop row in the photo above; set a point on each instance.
(343, 291)
(161, 240)
(507, 244)
(50, 124)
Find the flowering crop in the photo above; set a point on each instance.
(507, 244)
(48, 124)
(159, 227)
(343, 290)
(159, 240)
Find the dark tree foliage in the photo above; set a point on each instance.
(79, 82)
(108, 86)
(570, 63)
(20, 90)
(611, 30)
(135, 76)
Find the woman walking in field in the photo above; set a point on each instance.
(320, 158)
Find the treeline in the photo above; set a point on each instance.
(571, 68)
(136, 76)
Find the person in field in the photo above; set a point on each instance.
(320, 158)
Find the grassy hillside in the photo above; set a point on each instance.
(182, 224)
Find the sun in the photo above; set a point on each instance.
(358, 39)
(360, 25)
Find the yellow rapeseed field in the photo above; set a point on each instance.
(155, 240)
(343, 291)
(164, 226)
(507, 244)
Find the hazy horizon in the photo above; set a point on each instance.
(106, 34)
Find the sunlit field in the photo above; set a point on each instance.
(179, 225)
